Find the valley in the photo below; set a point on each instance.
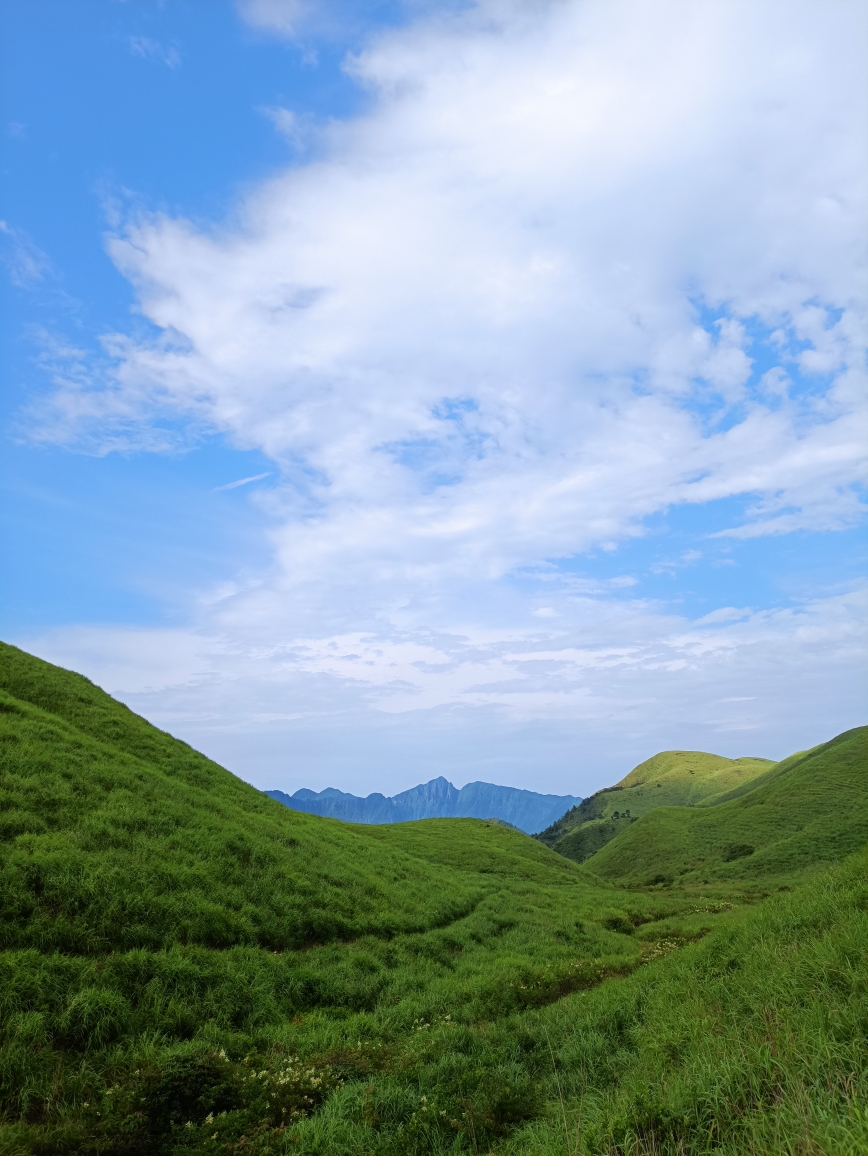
(188, 966)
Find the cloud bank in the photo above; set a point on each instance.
(578, 264)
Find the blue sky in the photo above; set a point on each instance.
(107, 102)
(535, 338)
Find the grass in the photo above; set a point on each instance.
(105, 850)
(809, 811)
(751, 1041)
(189, 967)
(669, 779)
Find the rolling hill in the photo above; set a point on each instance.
(186, 966)
(671, 778)
(438, 799)
(118, 836)
(809, 810)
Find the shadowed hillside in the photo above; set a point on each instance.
(672, 778)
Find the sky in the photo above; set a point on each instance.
(413, 388)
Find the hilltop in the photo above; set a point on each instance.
(437, 799)
(809, 810)
(186, 966)
(671, 778)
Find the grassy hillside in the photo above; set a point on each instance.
(149, 898)
(669, 779)
(116, 836)
(810, 810)
(189, 967)
(748, 1043)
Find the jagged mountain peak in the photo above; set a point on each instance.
(436, 799)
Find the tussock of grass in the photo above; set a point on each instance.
(189, 967)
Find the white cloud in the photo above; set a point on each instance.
(284, 17)
(611, 683)
(27, 265)
(334, 20)
(295, 127)
(524, 223)
(242, 482)
(502, 318)
(724, 614)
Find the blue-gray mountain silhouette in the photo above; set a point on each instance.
(527, 810)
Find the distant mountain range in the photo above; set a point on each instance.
(527, 810)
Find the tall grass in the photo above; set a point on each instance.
(752, 1041)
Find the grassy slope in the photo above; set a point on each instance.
(123, 837)
(749, 1043)
(436, 987)
(148, 895)
(809, 811)
(669, 779)
(773, 772)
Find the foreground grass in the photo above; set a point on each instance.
(750, 1040)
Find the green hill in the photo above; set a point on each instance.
(671, 778)
(743, 1043)
(187, 966)
(810, 810)
(149, 896)
(123, 837)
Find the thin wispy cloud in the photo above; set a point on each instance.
(241, 482)
(285, 17)
(29, 268)
(294, 127)
(26, 264)
(294, 20)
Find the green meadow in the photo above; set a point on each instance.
(187, 966)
